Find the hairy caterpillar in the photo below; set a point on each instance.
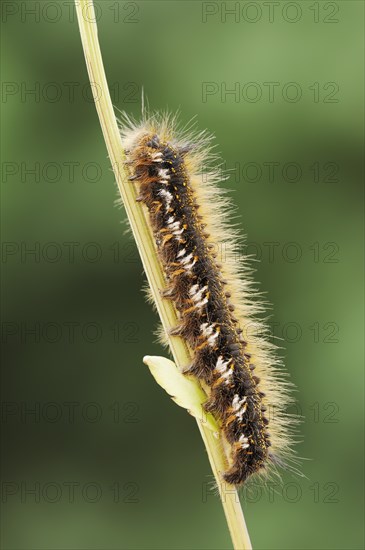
(215, 301)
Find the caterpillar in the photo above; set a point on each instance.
(217, 306)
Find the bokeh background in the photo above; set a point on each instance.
(95, 455)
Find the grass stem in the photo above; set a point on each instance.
(146, 246)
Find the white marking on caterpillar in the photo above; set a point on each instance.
(212, 339)
(221, 365)
(237, 402)
(239, 406)
(197, 296)
(191, 265)
(241, 412)
(206, 329)
(193, 289)
(186, 259)
(223, 368)
(167, 196)
(199, 305)
(164, 174)
(243, 440)
(208, 332)
(174, 226)
(227, 375)
(156, 157)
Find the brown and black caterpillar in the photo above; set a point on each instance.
(248, 393)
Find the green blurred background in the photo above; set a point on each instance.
(106, 460)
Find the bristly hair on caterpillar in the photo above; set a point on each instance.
(214, 297)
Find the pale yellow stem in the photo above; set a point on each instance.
(146, 246)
